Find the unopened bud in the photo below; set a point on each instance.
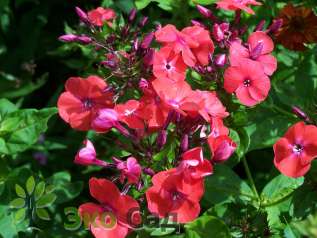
(143, 84)
(84, 40)
(68, 38)
(147, 40)
(132, 15)
(275, 26)
(204, 11)
(136, 44)
(219, 31)
(300, 114)
(184, 143)
(161, 139)
(143, 22)
(257, 51)
(220, 60)
(260, 26)
(82, 15)
(148, 57)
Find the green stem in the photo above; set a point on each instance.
(250, 178)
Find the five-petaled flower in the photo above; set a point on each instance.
(295, 151)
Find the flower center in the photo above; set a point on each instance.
(88, 103)
(297, 148)
(176, 196)
(168, 67)
(247, 83)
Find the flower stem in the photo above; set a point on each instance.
(250, 178)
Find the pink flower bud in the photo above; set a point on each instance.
(184, 143)
(132, 15)
(143, 84)
(275, 26)
(220, 30)
(147, 40)
(84, 40)
(197, 23)
(161, 139)
(260, 26)
(87, 155)
(220, 60)
(105, 120)
(300, 114)
(130, 170)
(204, 11)
(257, 51)
(143, 22)
(82, 15)
(68, 38)
(148, 57)
(149, 171)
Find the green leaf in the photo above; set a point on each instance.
(30, 185)
(226, 186)
(20, 129)
(20, 191)
(63, 188)
(46, 200)
(140, 4)
(43, 214)
(39, 190)
(20, 215)
(279, 189)
(207, 226)
(17, 203)
(6, 107)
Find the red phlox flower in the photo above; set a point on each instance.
(110, 216)
(205, 45)
(167, 64)
(170, 196)
(209, 104)
(130, 169)
(295, 151)
(180, 42)
(101, 15)
(217, 128)
(248, 81)
(234, 5)
(87, 155)
(194, 166)
(81, 101)
(130, 114)
(175, 95)
(260, 47)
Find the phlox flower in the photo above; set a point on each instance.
(295, 151)
(170, 196)
(167, 64)
(248, 81)
(260, 47)
(130, 114)
(193, 165)
(222, 147)
(234, 5)
(100, 16)
(83, 98)
(193, 43)
(110, 217)
(175, 95)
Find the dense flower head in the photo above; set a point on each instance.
(235, 5)
(295, 151)
(248, 81)
(260, 45)
(100, 16)
(79, 105)
(299, 27)
(110, 216)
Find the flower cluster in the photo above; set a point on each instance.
(150, 98)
